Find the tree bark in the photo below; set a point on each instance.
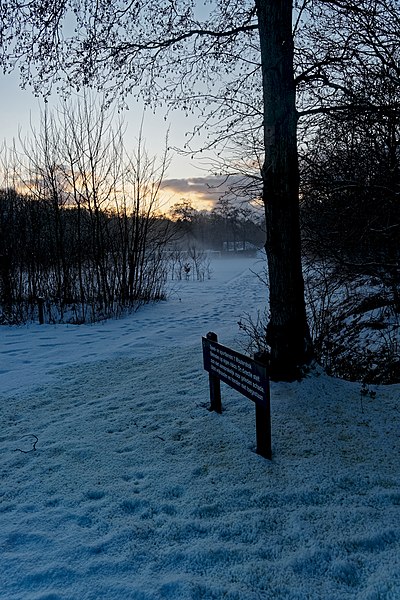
(287, 333)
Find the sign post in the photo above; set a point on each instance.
(215, 385)
(249, 376)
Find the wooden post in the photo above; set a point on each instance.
(249, 376)
(263, 416)
(41, 312)
(263, 430)
(215, 385)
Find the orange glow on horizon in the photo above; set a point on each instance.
(198, 201)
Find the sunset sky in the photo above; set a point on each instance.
(187, 178)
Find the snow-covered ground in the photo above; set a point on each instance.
(117, 483)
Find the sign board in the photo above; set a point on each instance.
(239, 371)
(246, 375)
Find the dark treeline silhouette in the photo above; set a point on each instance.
(85, 264)
(88, 264)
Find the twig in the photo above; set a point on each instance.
(34, 444)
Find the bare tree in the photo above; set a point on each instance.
(85, 232)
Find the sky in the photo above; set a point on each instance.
(186, 177)
(117, 483)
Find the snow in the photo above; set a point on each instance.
(118, 483)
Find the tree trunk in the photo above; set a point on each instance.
(287, 333)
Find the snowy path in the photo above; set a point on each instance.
(27, 354)
(135, 491)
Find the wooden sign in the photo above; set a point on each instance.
(249, 376)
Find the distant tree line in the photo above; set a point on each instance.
(231, 226)
(88, 263)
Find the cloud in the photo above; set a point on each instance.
(204, 192)
(211, 186)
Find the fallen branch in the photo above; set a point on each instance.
(33, 447)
